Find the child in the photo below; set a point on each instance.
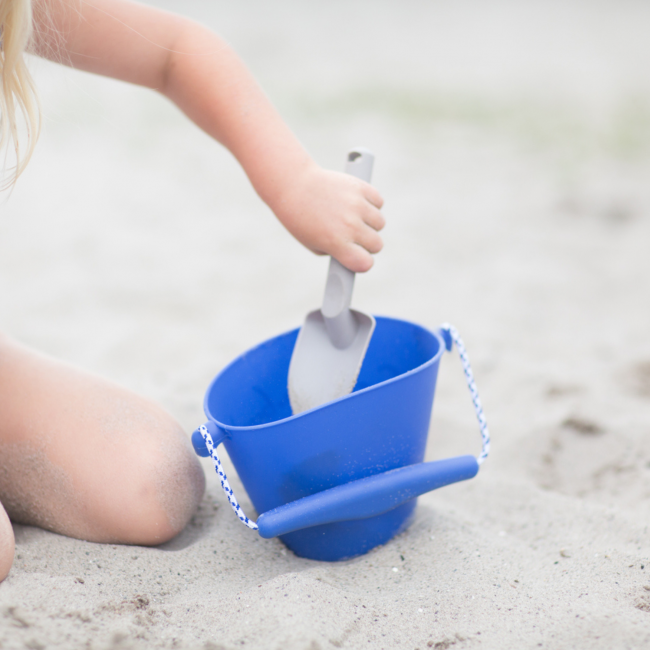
(79, 455)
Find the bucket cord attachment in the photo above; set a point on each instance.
(482, 422)
(224, 480)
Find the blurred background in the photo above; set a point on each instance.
(513, 152)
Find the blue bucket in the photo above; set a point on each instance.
(336, 481)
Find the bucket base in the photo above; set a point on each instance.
(347, 539)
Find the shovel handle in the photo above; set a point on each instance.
(366, 497)
(339, 322)
(359, 163)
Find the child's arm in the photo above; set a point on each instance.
(328, 212)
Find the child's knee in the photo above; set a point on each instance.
(86, 458)
(170, 489)
(162, 484)
(6, 544)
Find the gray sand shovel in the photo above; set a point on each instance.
(333, 341)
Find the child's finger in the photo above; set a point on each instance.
(369, 239)
(373, 196)
(355, 258)
(374, 219)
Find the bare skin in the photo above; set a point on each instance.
(79, 455)
(85, 458)
(6, 544)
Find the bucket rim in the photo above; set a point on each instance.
(256, 427)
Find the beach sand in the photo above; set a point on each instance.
(513, 152)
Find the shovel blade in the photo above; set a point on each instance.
(319, 372)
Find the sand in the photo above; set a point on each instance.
(513, 151)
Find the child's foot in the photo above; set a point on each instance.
(83, 457)
(6, 544)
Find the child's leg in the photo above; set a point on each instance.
(83, 457)
(6, 544)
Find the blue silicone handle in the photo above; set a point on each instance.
(366, 497)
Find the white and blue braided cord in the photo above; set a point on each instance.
(224, 480)
(482, 422)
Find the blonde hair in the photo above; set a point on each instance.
(17, 92)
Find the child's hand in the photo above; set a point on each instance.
(335, 214)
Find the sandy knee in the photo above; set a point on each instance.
(6, 544)
(157, 490)
(168, 491)
(86, 458)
